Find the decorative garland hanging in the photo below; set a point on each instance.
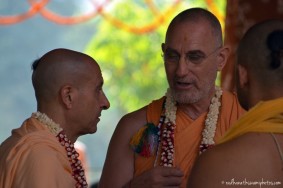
(69, 20)
(39, 7)
(34, 9)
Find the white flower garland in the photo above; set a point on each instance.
(208, 133)
(170, 108)
(53, 127)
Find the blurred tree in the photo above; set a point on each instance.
(132, 64)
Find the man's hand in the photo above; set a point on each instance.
(158, 177)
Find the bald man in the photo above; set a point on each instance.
(251, 152)
(156, 146)
(41, 154)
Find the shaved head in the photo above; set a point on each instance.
(261, 51)
(57, 68)
(68, 89)
(198, 15)
(260, 63)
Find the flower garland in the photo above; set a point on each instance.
(167, 135)
(208, 132)
(54, 128)
(144, 144)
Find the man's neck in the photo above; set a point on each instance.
(58, 117)
(192, 110)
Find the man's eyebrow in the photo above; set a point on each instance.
(197, 51)
(171, 50)
(194, 52)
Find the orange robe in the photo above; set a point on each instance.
(32, 157)
(188, 133)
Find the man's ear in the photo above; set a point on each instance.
(242, 75)
(67, 94)
(222, 57)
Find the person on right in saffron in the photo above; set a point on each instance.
(251, 151)
(157, 145)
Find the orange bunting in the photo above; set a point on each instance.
(68, 20)
(39, 7)
(159, 19)
(35, 8)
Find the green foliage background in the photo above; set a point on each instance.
(132, 64)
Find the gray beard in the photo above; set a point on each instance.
(191, 97)
(186, 98)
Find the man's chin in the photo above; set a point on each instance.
(93, 130)
(185, 98)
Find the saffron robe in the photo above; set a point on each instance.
(265, 117)
(188, 133)
(32, 157)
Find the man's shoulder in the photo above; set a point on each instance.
(30, 137)
(32, 140)
(237, 146)
(246, 150)
(30, 148)
(140, 116)
(134, 116)
(248, 156)
(131, 122)
(221, 162)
